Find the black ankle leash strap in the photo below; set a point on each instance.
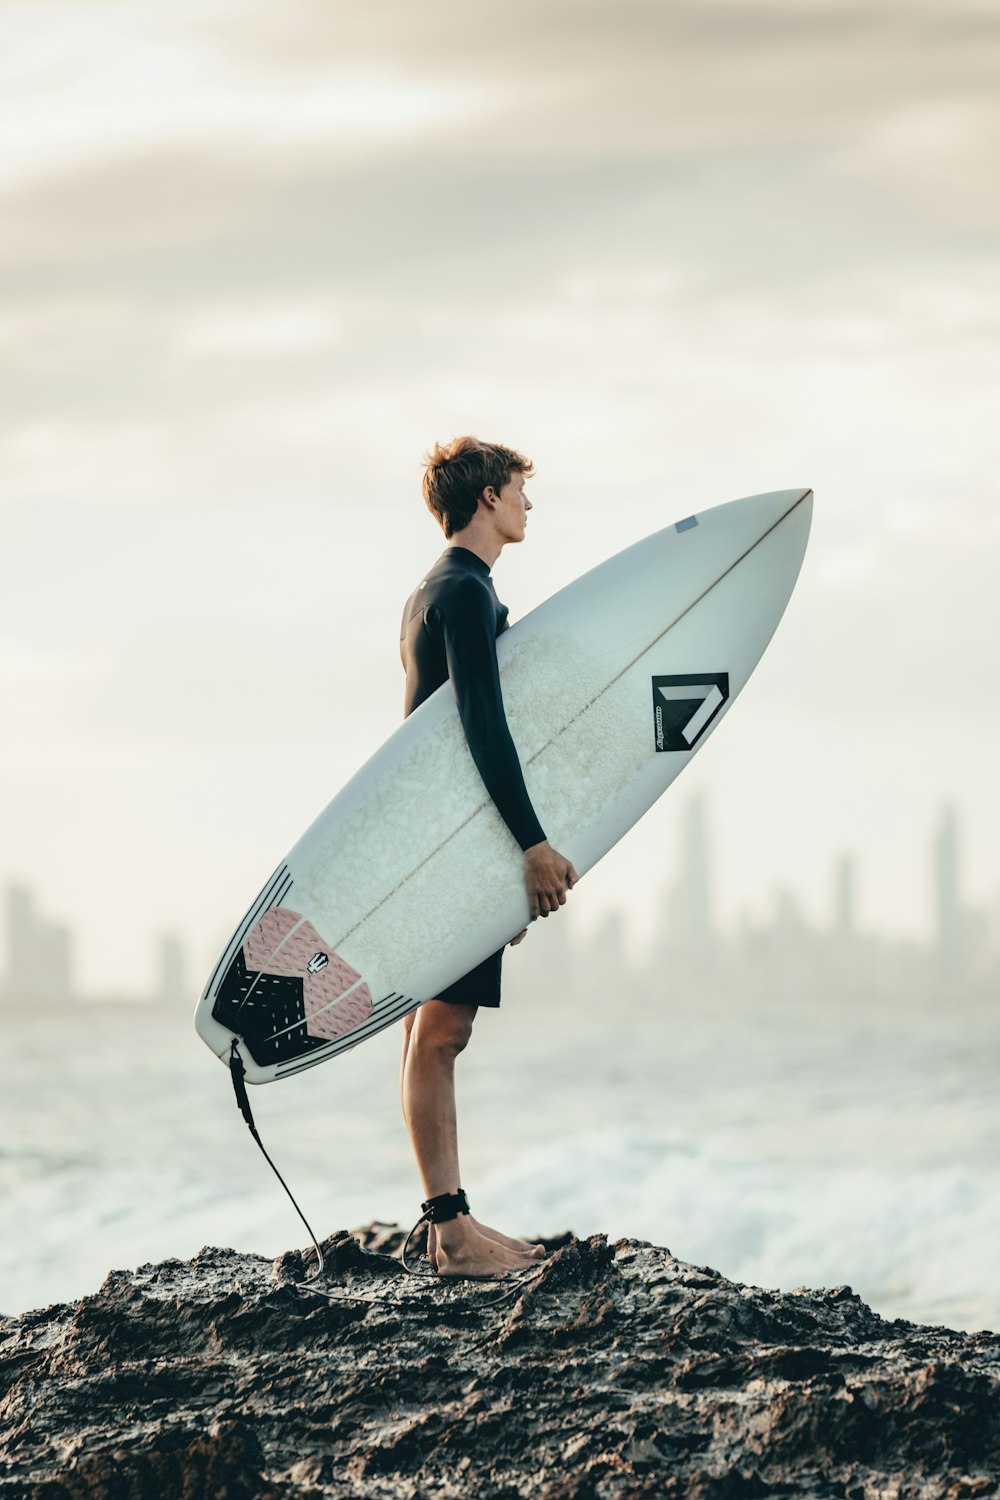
(438, 1210)
(444, 1207)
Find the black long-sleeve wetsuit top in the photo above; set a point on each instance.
(450, 625)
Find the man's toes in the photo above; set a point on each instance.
(510, 1241)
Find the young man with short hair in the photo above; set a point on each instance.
(449, 629)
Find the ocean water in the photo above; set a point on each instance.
(784, 1150)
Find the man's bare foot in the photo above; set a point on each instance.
(535, 1252)
(462, 1251)
(524, 1247)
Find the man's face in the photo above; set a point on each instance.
(511, 511)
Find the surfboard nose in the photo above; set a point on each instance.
(791, 532)
(780, 507)
(801, 508)
(775, 505)
(743, 523)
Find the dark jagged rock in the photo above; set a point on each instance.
(612, 1370)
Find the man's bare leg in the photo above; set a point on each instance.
(536, 1252)
(435, 1035)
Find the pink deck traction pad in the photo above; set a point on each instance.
(319, 990)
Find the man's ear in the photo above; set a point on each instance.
(489, 496)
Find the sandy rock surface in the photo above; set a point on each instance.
(612, 1370)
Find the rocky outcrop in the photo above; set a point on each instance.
(614, 1370)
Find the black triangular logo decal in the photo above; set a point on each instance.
(684, 706)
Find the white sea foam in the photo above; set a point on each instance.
(812, 1152)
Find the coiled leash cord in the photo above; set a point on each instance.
(239, 1086)
(318, 1280)
(435, 1211)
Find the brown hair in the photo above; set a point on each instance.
(458, 472)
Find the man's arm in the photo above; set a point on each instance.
(468, 627)
(469, 630)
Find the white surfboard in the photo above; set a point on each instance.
(410, 877)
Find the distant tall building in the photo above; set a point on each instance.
(555, 952)
(695, 885)
(21, 937)
(948, 908)
(789, 922)
(39, 953)
(172, 988)
(608, 951)
(844, 897)
(53, 960)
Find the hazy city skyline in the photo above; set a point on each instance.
(964, 941)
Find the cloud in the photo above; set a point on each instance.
(759, 144)
(253, 329)
(941, 152)
(83, 82)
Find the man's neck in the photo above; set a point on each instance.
(481, 540)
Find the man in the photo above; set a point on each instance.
(449, 630)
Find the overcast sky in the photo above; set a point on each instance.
(257, 258)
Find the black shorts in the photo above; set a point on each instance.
(481, 986)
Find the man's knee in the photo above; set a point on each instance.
(443, 1028)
